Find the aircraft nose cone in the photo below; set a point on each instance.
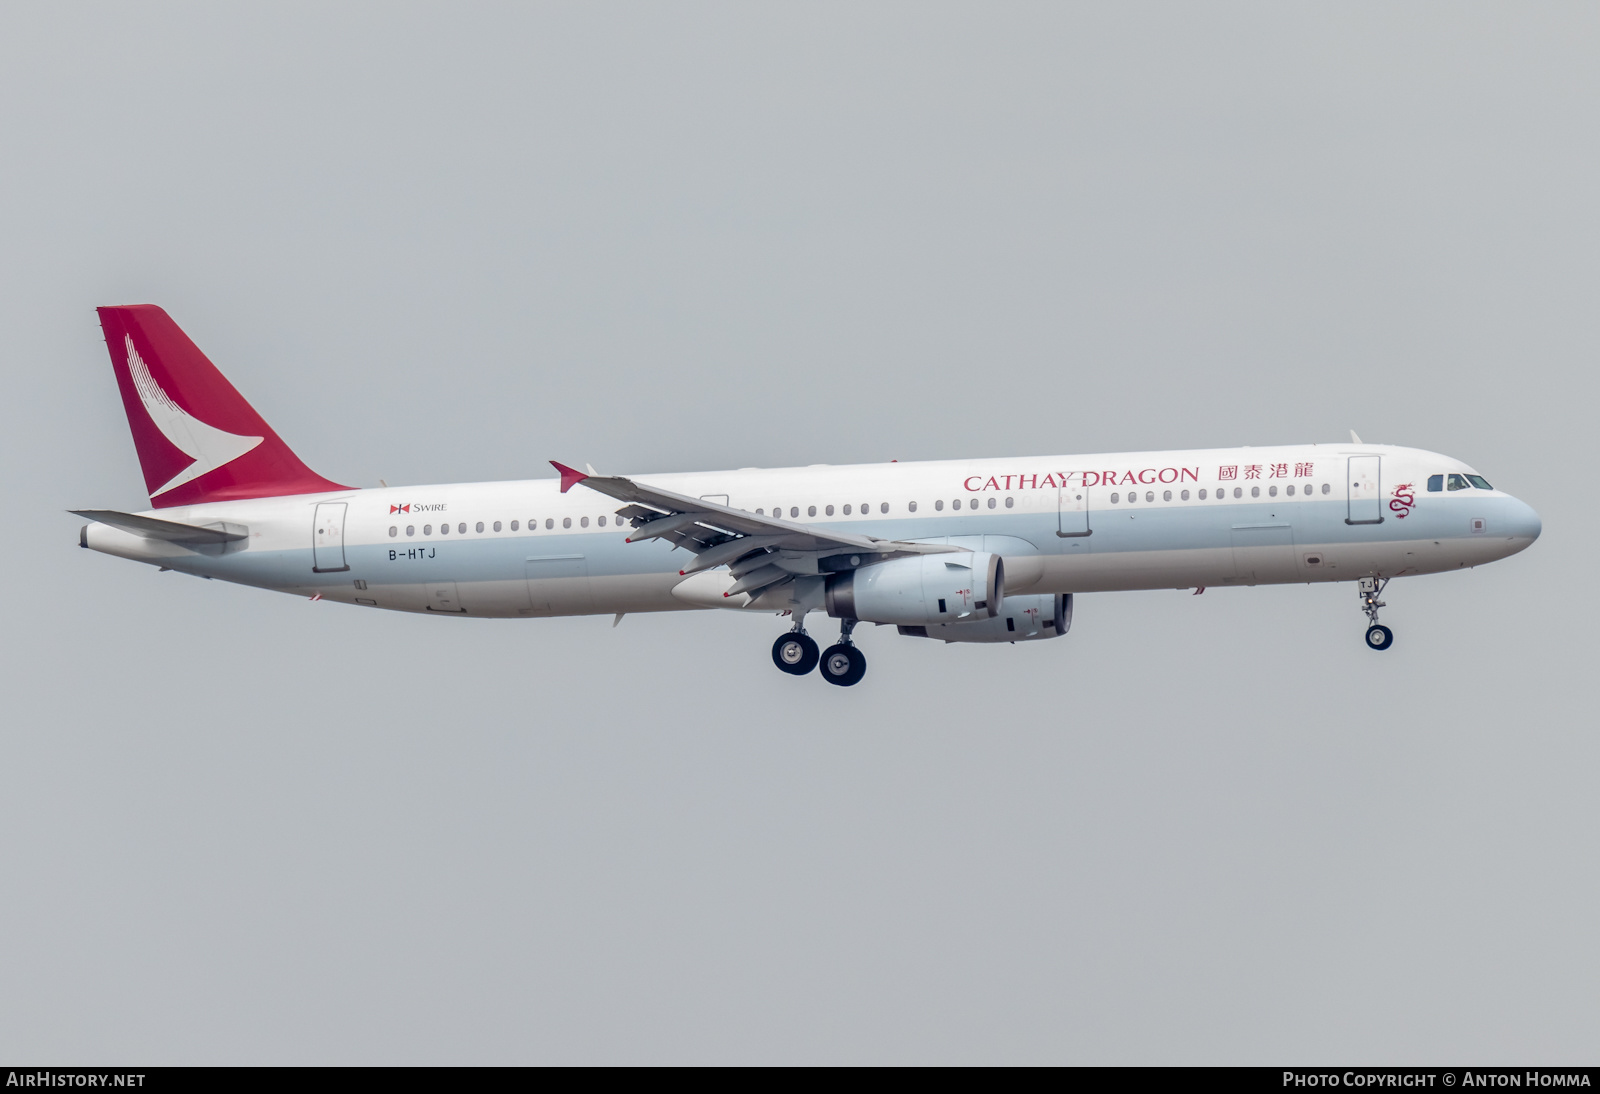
(1525, 523)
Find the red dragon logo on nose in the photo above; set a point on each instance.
(1402, 500)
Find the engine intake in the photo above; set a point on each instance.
(921, 590)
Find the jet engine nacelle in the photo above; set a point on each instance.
(1021, 619)
(921, 590)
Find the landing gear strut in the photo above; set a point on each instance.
(795, 652)
(842, 663)
(1378, 637)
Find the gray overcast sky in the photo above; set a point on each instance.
(449, 243)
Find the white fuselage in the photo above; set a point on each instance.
(1063, 524)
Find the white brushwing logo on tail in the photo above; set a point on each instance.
(208, 446)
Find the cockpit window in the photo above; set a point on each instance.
(1480, 482)
(1459, 482)
(1435, 483)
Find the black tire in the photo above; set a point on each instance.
(795, 653)
(1379, 638)
(843, 665)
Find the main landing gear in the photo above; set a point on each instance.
(1379, 637)
(842, 664)
(795, 652)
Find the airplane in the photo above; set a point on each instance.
(982, 550)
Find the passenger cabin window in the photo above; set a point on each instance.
(938, 505)
(1435, 483)
(1457, 482)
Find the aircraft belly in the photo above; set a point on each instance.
(494, 597)
(1111, 571)
(1263, 553)
(636, 593)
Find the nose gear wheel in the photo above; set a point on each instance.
(1379, 637)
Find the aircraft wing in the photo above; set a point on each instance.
(762, 551)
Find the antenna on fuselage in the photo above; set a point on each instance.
(1354, 438)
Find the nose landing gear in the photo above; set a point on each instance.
(842, 663)
(1379, 637)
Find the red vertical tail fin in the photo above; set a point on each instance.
(198, 440)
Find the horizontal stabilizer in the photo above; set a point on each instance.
(171, 531)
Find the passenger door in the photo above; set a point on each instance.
(1365, 490)
(1072, 508)
(327, 538)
